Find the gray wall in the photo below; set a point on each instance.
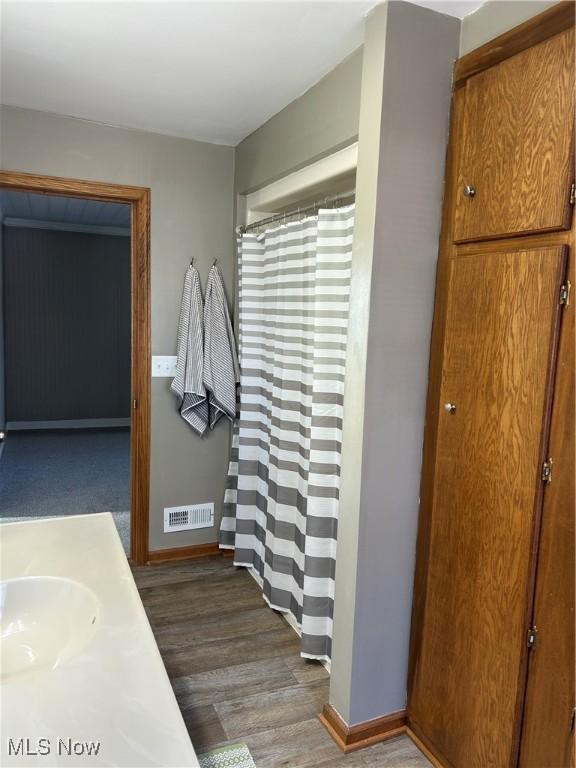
(67, 325)
(192, 215)
(495, 17)
(321, 121)
(406, 89)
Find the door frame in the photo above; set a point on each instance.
(138, 198)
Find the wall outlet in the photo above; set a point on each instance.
(164, 366)
(188, 517)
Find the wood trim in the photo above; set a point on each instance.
(139, 200)
(56, 185)
(515, 243)
(543, 723)
(141, 383)
(157, 556)
(425, 748)
(550, 22)
(352, 737)
(554, 341)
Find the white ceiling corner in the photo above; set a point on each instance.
(457, 8)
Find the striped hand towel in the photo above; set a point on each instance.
(221, 369)
(188, 384)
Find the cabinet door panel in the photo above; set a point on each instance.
(517, 144)
(547, 737)
(501, 326)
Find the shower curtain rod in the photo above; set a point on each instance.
(336, 200)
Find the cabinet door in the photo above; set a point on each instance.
(516, 161)
(548, 729)
(501, 326)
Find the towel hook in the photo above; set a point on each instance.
(191, 262)
(215, 263)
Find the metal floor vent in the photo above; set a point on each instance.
(188, 517)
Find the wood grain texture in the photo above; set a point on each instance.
(255, 678)
(501, 316)
(433, 403)
(139, 200)
(550, 695)
(448, 251)
(517, 144)
(550, 22)
(427, 750)
(141, 372)
(272, 709)
(58, 185)
(234, 683)
(352, 737)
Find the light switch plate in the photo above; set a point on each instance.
(164, 365)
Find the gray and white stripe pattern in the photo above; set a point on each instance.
(281, 503)
(221, 369)
(188, 384)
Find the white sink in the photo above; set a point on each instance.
(44, 622)
(80, 661)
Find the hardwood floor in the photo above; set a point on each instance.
(237, 673)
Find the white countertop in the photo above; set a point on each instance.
(115, 690)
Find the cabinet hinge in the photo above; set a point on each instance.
(572, 720)
(565, 294)
(134, 404)
(531, 638)
(573, 194)
(547, 471)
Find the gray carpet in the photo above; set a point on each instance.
(65, 472)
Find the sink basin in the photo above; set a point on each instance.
(44, 622)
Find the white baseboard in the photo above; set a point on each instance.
(16, 426)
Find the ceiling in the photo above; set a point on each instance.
(458, 8)
(67, 210)
(208, 70)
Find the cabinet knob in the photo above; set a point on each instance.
(449, 407)
(469, 191)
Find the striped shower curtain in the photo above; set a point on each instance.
(281, 504)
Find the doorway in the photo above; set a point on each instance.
(83, 442)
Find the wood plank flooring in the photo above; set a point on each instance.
(237, 673)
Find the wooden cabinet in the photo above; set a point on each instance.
(516, 158)
(491, 679)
